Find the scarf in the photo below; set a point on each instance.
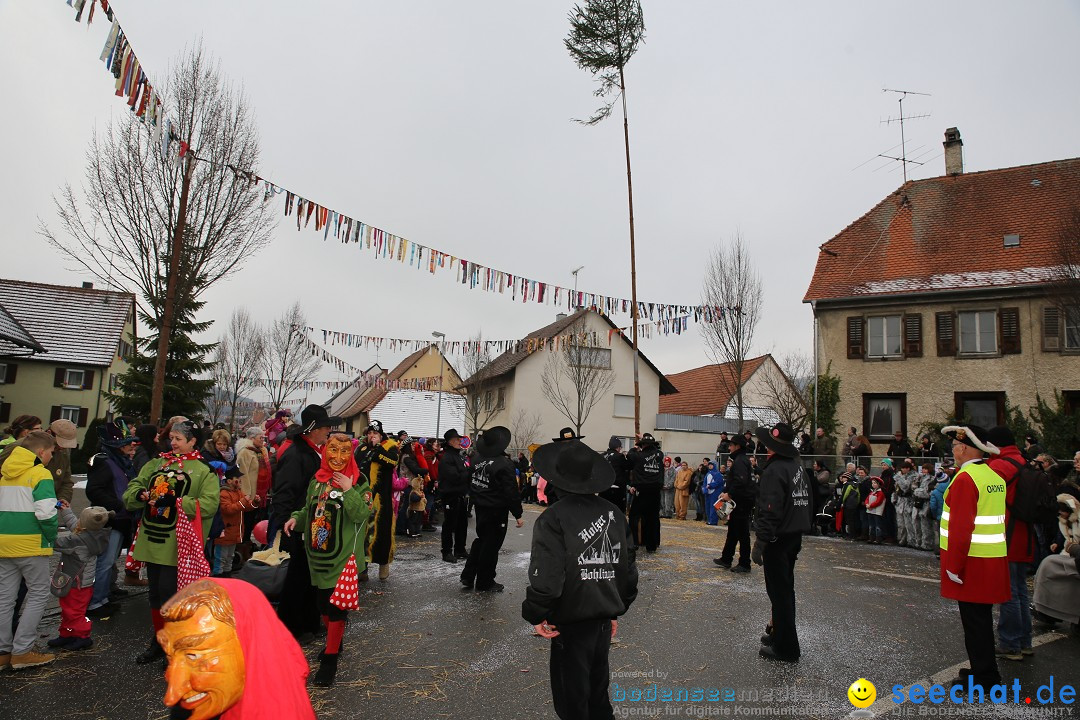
(178, 458)
(325, 473)
(275, 670)
(122, 461)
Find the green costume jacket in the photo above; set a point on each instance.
(195, 482)
(335, 531)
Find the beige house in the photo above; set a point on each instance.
(85, 338)
(356, 402)
(942, 301)
(511, 386)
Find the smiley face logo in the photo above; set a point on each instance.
(862, 693)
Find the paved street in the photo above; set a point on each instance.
(423, 648)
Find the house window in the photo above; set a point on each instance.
(624, 406)
(978, 332)
(590, 357)
(1072, 327)
(884, 415)
(3, 372)
(489, 401)
(500, 398)
(68, 412)
(124, 350)
(985, 409)
(884, 336)
(74, 378)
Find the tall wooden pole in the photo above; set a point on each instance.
(633, 257)
(168, 312)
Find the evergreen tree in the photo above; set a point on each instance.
(185, 391)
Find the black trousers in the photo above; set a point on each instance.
(738, 533)
(645, 517)
(579, 671)
(297, 606)
(779, 569)
(978, 622)
(455, 527)
(327, 608)
(161, 583)
(484, 555)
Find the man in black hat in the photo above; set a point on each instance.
(784, 514)
(582, 576)
(494, 493)
(453, 495)
(296, 466)
(646, 480)
(741, 489)
(616, 494)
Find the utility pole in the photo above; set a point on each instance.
(575, 272)
(442, 359)
(633, 257)
(168, 312)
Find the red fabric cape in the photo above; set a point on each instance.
(275, 670)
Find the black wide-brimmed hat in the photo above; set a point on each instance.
(493, 441)
(573, 466)
(116, 434)
(779, 439)
(737, 439)
(314, 417)
(450, 435)
(567, 433)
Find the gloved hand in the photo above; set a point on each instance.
(757, 552)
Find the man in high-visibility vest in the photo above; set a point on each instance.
(974, 564)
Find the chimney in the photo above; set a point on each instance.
(954, 152)
(88, 286)
(560, 316)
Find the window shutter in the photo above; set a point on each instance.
(946, 333)
(855, 349)
(1009, 327)
(913, 336)
(88, 380)
(1051, 327)
(83, 416)
(54, 414)
(5, 412)
(9, 378)
(58, 379)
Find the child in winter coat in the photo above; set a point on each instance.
(234, 503)
(417, 505)
(875, 511)
(73, 581)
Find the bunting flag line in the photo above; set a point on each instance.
(132, 82)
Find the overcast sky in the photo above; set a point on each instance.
(449, 123)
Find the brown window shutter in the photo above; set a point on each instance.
(946, 333)
(913, 335)
(58, 378)
(1051, 329)
(1009, 327)
(855, 334)
(12, 371)
(88, 380)
(5, 412)
(54, 414)
(83, 416)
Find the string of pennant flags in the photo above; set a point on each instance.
(341, 338)
(132, 83)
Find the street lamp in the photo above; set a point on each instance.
(442, 356)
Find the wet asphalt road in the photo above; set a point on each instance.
(421, 647)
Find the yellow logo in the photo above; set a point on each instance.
(862, 693)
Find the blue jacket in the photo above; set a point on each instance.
(714, 482)
(937, 498)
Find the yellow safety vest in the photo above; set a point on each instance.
(988, 535)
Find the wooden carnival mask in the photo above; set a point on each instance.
(206, 660)
(338, 452)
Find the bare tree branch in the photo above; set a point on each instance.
(243, 357)
(481, 402)
(120, 227)
(732, 284)
(287, 363)
(786, 392)
(524, 429)
(576, 377)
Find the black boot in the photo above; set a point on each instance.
(327, 671)
(150, 654)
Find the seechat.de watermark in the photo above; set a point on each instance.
(1001, 694)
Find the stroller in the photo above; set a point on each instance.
(826, 519)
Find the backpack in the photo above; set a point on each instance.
(1034, 500)
(852, 498)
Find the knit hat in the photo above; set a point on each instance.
(1000, 436)
(887, 461)
(614, 443)
(94, 517)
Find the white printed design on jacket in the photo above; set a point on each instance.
(599, 550)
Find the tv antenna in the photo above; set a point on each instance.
(903, 159)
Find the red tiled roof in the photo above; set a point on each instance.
(706, 390)
(948, 232)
